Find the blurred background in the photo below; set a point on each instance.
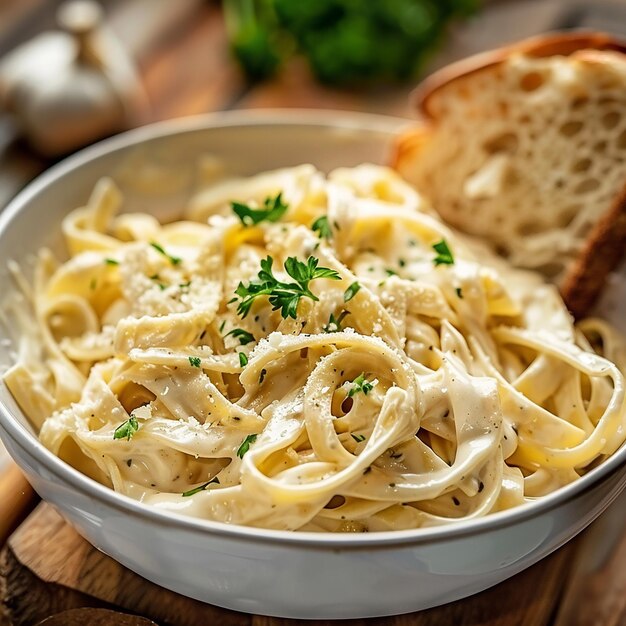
(74, 72)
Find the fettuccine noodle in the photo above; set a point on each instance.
(420, 381)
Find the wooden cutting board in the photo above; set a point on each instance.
(46, 567)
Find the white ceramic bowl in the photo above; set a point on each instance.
(300, 575)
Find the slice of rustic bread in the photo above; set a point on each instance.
(525, 146)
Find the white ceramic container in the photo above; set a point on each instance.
(301, 575)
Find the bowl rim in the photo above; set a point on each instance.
(329, 119)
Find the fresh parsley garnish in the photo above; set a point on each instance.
(126, 429)
(322, 227)
(444, 255)
(360, 383)
(111, 262)
(195, 361)
(459, 292)
(273, 209)
(243, 359)
(334, 323)
(174, 260)
(185, 285)
(283, 296)
(191, 492)
(243, 335)
(358, 438)
(390, 272)
(245, 446)
(351, 291)
(157, 278)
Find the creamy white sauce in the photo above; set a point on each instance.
(476, 392)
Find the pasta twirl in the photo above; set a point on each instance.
(311, 352)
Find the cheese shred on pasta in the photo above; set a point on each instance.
(419, 382)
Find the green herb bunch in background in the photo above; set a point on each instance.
(345, 41)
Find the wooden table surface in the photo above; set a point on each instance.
(46, 568)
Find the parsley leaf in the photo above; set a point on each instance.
(334, 323)
(111, 262)
(126, 429)
(191, 492)
(459, 293)
(157, 278)
(444, 255)
(303, 273)
(358, 438)
(322, 227)
(360, 383)
(273, 209)
(195, 361)
(351, 291)
(174, 260)
(283, 296)
(243, 359)
(243, 335)
(245, 446)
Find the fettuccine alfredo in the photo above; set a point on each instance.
(310, 352)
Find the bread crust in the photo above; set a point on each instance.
(550, 44)
(407, 145)
(602, 253)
